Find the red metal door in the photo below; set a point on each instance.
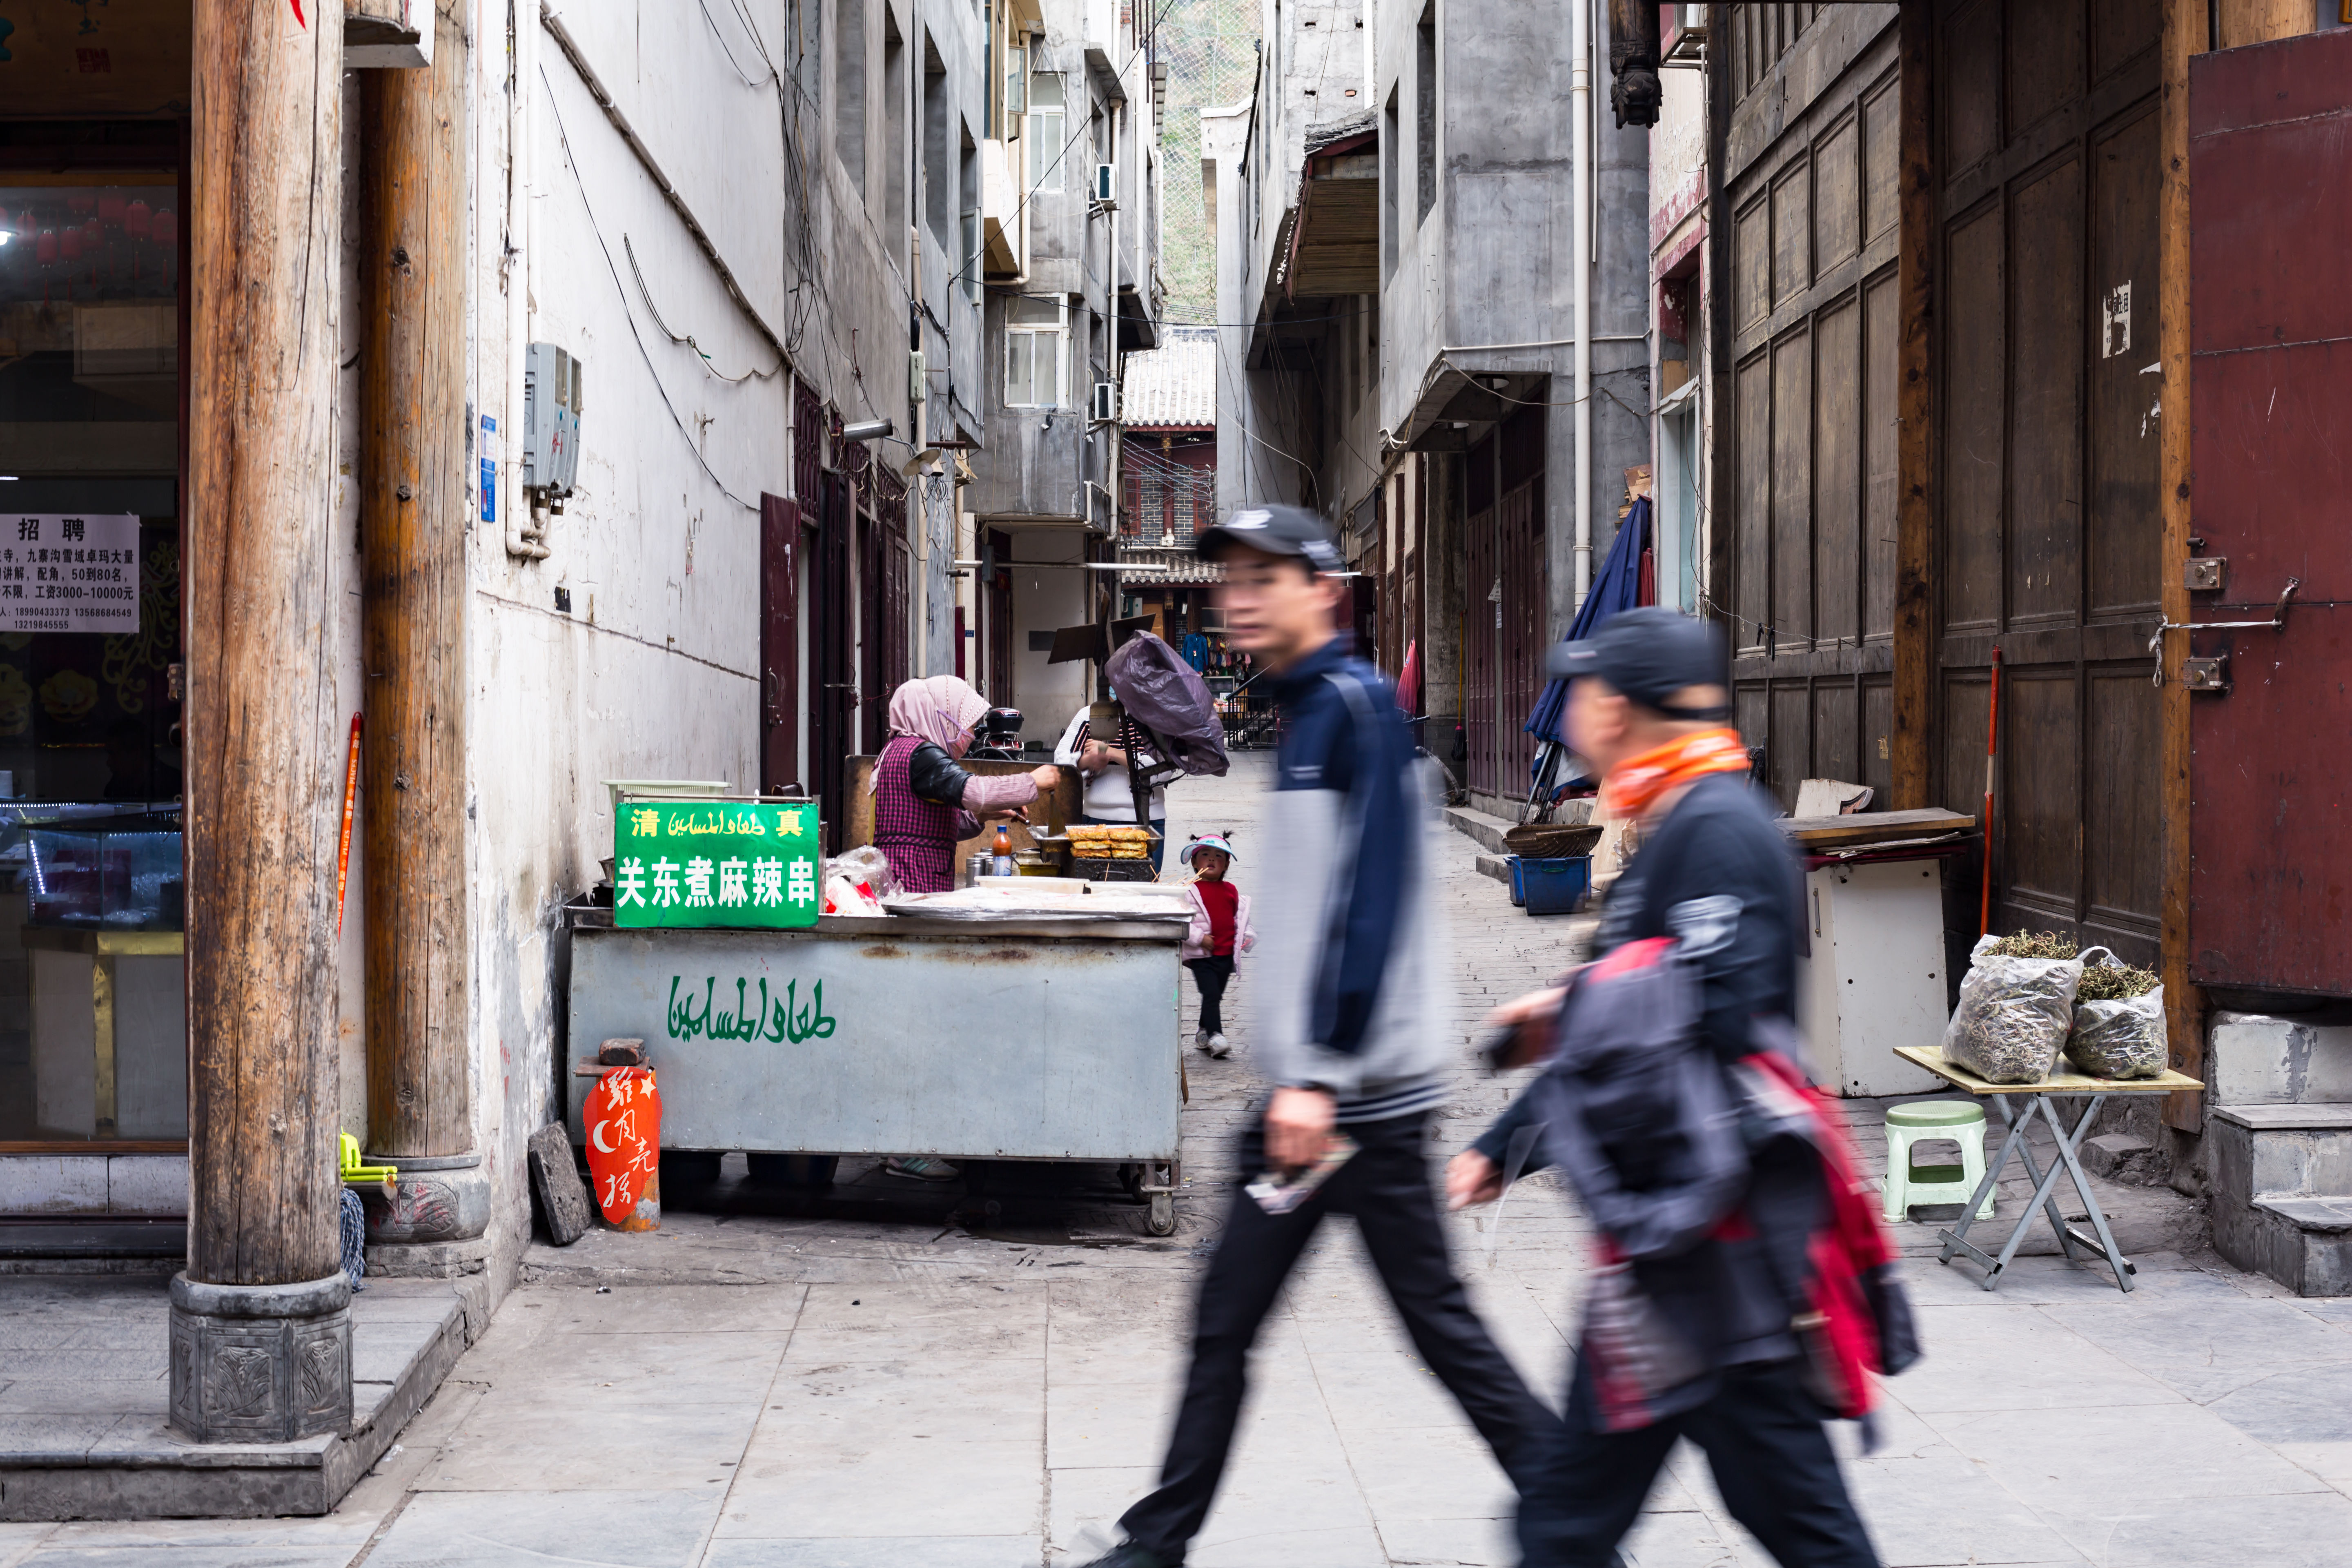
(780, 667)
(2271, 356)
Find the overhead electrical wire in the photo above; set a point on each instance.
(564, 139)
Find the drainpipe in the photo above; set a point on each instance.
(1580, 110)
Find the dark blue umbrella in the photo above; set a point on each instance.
(1618, 587)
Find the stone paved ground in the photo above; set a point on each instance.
(889, 1377)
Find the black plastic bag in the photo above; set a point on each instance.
(1167, 696)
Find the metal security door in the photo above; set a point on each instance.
(2270, 357)
(780, 667)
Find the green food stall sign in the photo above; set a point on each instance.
(714, 863)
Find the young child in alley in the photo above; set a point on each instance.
(1221, 933)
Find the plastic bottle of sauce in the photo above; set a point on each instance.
(1001, 855)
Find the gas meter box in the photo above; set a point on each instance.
(551, 386)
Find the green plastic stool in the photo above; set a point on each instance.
(1962, 1121)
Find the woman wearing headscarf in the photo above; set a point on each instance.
(924, 805)
(923, 802)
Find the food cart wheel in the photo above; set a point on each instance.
(1160, 1220)
(1130, 1176)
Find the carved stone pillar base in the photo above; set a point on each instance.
(428, 1260)
(260, 1363)
(440, 1198)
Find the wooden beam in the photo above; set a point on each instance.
(2185, 34)
(263, 737)
(1914, 402)
(2242, 22)
(413, 523)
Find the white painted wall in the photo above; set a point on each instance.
(1042, 601)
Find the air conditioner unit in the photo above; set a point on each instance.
(1683, 33)
(1105, 187)
(1106, 402)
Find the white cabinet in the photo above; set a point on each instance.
(1876, 978)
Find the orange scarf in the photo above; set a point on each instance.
(1635, 786)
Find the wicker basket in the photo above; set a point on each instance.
(1551, 841)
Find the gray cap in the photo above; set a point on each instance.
(1648, 653)
(1275, 530)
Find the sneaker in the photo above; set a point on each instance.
(921, 1168)
(1127, 1554)
(1200, 1039)
(1218, 1049)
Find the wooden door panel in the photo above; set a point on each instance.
(1975, 422)
(2122, 805)
(1838, 476)
(1751, 251)
(2045, 390)
(1836, 751)
(1753, 400)
(1792, 486)
(1877, 737)
(2271, 834)
(2123, 527)
(1792, 233)
(2122, 31)
(2041, 801)
(1792, 746)
(2043, 60)
(1837, 195)
(1968, 85)
(1881, 337)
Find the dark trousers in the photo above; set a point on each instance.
(1211, 974)
(1765, 1441)
(1386, 1185)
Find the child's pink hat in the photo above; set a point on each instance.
(1215, 841)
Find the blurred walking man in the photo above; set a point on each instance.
(1742, 1299)
(1348, 991)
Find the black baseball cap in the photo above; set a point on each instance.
(1648, 653)
(1275, 530)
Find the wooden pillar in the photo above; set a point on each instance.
(415, 523)
(261, 737)
(1915, 404)
(2242, 22)
(2185, 32)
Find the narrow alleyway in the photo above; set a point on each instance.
(881, 1379)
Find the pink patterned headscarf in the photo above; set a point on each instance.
(941, 708)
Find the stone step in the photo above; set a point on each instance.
(2261, 1058)
(2280, 1176)
(1487, 831)
(2302, 1242)
(1495, 865)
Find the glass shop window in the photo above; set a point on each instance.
(93, 1026)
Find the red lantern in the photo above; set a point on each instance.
(110, 208)
(45, 249)
(167, 228)
(93, 236)
(69, 241)
(81, 201)
(136, 221)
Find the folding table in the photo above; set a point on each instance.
(2040, 1099)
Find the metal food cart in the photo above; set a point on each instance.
(1048, 1037)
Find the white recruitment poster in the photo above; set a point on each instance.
(62, 572)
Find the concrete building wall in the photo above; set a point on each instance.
(629, 647)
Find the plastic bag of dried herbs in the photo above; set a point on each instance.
(2118, 1021)
(2014, 1011)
